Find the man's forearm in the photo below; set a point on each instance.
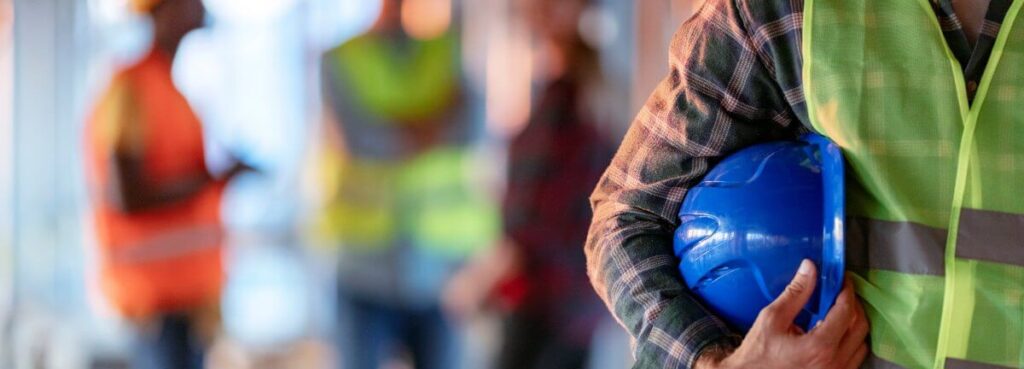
(633, 269)
(712, 356)
(132, 192)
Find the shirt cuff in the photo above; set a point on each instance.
(726, 345)
(680, 334)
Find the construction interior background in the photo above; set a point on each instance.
(253, 77)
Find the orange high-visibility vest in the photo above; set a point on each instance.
(162, 259)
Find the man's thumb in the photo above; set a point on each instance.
(785, 308)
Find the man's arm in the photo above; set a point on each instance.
(129, 187)
(133, 192)
(719, 97)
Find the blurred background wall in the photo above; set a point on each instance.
(6, 191)
(252, 78)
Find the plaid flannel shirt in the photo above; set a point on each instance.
(734, 81)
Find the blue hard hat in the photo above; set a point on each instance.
(753, 218)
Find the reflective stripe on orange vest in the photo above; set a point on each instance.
(168, 245)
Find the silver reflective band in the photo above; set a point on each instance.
(991, 236)
(875, 362)
(952, 363)
(169, 245)
(903, 247)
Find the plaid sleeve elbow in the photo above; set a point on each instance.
(680, 334)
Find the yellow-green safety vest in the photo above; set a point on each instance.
(400, 87)
(430, 200)
(936, 241)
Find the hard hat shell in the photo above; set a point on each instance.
(754, 217)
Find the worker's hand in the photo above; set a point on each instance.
(465, 295)
(774, 342)
(239, 168)
(468, 290)
(471, 288)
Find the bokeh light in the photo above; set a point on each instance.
(249, 11)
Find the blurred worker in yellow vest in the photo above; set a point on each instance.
(156, 206)
(401, 205)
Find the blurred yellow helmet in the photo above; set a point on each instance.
(143, 6)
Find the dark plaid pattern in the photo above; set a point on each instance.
(734, 81)
(553, 162)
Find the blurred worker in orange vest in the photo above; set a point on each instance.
(157, 207)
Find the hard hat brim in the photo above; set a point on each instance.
(833, 258)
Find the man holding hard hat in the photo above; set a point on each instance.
(920, 97)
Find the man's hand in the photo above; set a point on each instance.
(239, 168)
(469, 289)
(774, 342)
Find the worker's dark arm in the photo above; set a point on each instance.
(131, 190)
(720, 96)
(129, 187)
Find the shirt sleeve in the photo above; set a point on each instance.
(719, 97)
(524, 172)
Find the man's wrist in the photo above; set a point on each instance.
(711, 357)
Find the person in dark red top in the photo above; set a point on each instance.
(539, 272)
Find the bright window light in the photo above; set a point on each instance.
(249, 11)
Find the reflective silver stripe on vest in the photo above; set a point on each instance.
(875, 362)
(952, 363)
(991, 236)
(903, 247)
(169, 245)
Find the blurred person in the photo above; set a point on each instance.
(538, 275)
(156, 204)
(400, 201)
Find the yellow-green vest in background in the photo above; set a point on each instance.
(400, 84)
(430, 199)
